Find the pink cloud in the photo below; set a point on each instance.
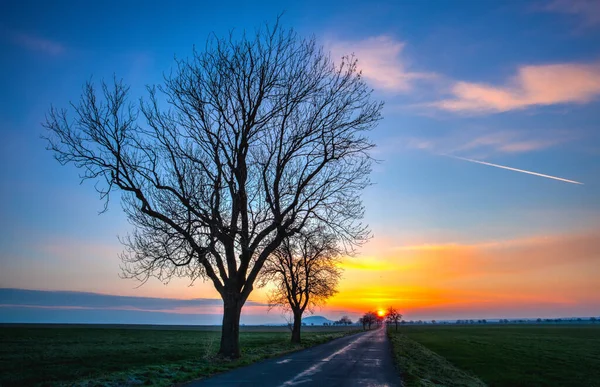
(38, 44)
(540, 85)
(380, 60)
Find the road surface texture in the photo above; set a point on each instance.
(364, 359)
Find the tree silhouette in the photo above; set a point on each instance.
(393, 317)
(244, 145)
(305, 273)
(369, 319)
(345, 320)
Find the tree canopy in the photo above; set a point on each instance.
(304, 271)
(244, 144)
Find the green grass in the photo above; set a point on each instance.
(512, 355)
(119, 356)
(420, 366)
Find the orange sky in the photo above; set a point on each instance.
(540, 276)
(501, 230)
(505, 278)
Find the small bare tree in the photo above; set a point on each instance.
(345, 320)
(369, 319)
(393, 317)
(304, 272)
(244, 145)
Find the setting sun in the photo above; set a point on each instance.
(381, 313)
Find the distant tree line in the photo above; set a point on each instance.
(370, 318)
(345, 320)
(390, 316)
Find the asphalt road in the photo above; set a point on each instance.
(364, 359)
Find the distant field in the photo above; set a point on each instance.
(83, 355)
(512, 355)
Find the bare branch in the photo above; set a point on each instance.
(245, 144)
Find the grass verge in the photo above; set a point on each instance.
(420, 366)
(89, 357)
(508, 355)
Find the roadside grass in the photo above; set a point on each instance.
(119, 356)
(506, 355)
(420, 366)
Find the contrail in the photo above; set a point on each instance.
(514, 169)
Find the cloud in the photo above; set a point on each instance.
(38, 44)
(511, 142)
(537, 85)
(481, 143)
(37, 315)
(512, 257)
(587, 10)
(380, 60)
(85, 300)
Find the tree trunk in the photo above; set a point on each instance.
(297, 326)
(230, 330)
(396, 327)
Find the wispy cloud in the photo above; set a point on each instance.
(537, 85)
(38, 44)
(587, 10)
(513, 256)
(41, 306)
(515, 169)
(483, 142)
(86, 300)
(380, 59)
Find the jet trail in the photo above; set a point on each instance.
(514, 169)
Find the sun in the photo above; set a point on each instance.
(381, 313)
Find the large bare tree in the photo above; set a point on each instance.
(245, 144)
(304, 273)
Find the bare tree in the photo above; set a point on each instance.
(304, 271)
(345, 320)
(393, 317)
(244, 145)
(369, 319)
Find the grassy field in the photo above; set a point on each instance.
(499, 355)
(134, 355)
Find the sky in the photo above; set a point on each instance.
(486, 199)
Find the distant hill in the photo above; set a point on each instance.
(316, 320)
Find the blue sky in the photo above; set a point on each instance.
(510, 83)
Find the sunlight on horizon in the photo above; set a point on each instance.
(464, 223)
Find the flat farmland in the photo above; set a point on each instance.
(500, 355)
(128, 355)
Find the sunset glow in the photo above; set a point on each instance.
(485, 195)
